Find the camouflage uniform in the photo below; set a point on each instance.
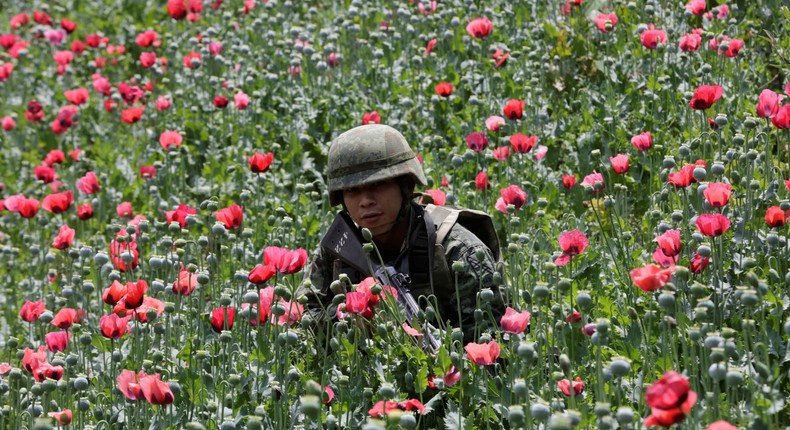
(460, 245)
(374, 153)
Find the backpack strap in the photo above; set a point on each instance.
(443, 218)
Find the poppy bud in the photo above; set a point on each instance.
(624, 415)
(565, 364)
(584, 300)
(704, 250)
(458, 266)
(368, 248)
(540, 411)
(542, 291)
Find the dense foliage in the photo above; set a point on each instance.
(163, 174)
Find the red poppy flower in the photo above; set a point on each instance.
(260, 163)
(285, 260)
(669, 242)
(477, 141)
(57, 340)
(573, 243)
(147, 59)
(31, 311)
(130, 94)
(662, 259)
(482, 354)
(64, 238)
(221, 102)
(114, 327)
(568, 181)
(242, 100)
(721, 425)
(696, 7)
(705, 96)
(512, 195)
(500, 57)
(45, 174)
(148, 38)
(27, 208)
(514, 322)
(132, 115)
(712, 225)
(162, 103)
(651, 278)
(718, 194)
(682, 178)
(767, 104)
(357, 301)
(63, 417)
(149, 303)
(494, 123)
(114, 293)
(606, 22)
(19, 20)
(170, 139)
(619, 163)
(521, 143)
(5, 71)
(58, 202)
(135, 294)
(592, 179)
(371, 118)
(85, 211)
(34, 112)
(31, 359)
(482, 182)
(260, 274)
(565, 386)
(444, 89)
(651, 37)
(690, 42)
(231, 216)
(782, 118)
(180, 215)
(147, 172)
(66, 317)
(479, 28)
(124, 210)
(219, 321)
(185, 284)
(775, 216)
(384, 407)
(514, 109)
(42, 18)
(127, 382)
(699, 263)
(7, 123)
(670, 400)
(642, 141)
(77, 97)
(155, 391)
(117, 249)
(438, 196)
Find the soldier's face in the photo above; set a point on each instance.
(374, 206)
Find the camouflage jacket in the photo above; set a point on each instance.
(460, 245)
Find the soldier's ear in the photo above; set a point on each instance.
(406, 187)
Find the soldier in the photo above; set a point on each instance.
(372, 174)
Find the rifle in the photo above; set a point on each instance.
(344, 243)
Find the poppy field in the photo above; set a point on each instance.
(162, 192)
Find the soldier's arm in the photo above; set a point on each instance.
(477, 274)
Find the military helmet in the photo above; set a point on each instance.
(368, 154)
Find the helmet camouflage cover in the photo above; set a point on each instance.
(367, 154)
